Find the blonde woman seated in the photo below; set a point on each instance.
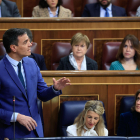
(89, 122)
(51, 8)
(77, 59)
(128, 55)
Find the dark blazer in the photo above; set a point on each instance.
(26, 100)
(93, 10)
(128, 124)
(39, 60)
(64, 64)
(9, 9)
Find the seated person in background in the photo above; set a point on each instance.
(37, 57)
(89, 122)
(51, 8)
(103, 8)
(129, 124)
(128, 55)
(138, 12)
(77, 59)
(8, 9)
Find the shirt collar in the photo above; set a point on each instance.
(56, 13)
(13, 61)
(109, 7)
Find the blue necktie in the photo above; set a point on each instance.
(20, 74)
(106, 13)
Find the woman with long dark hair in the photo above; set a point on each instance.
(51, 8)
(128, 55)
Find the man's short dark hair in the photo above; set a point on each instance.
(29, 33)
(10, 37)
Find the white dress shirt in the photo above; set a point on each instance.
(72, 131)
(14, 63)
(51, 14)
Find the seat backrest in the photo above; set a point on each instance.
(2, 49)
(61, 49)
(126, 103)
(109, 53)
(132, 7)
(69, 4)
(69, 110)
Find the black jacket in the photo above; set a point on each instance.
(64, 64)
(128, 125)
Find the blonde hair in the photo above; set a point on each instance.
(98, 108)
(78, 37)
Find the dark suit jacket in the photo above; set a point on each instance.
(128, 124)
(64, 64)
(39, 60)
(93, 10)
(26, 100)
(9, 9)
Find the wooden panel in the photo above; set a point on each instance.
(47, 51)
(113, 107)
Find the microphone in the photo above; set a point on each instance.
(14, 113)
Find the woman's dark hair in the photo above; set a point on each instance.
(135, 44)
(136, 96)
(44, 4)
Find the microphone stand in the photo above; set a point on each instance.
(14, 113)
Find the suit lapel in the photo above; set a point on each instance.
(88, 64)
(97, 10)
(61, 12)
(28, 72)
(3, 9)
(13, 75)
(114, 12)
(69, 66)
(46, 12)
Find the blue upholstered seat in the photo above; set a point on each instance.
(126, 103)
(69, 110)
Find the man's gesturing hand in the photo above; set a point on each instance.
(61, 83)
(26, 121)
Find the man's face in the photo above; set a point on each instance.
(24, 47)
(104, 3)
(0, 1)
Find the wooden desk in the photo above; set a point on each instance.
(46, 31)
(107, 86)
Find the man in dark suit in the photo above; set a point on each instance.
(8, 9)
(21, 77)
(103, 8)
